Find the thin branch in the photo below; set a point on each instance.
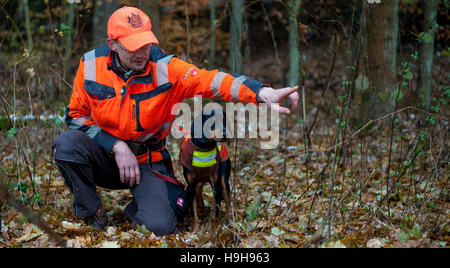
(32, 217)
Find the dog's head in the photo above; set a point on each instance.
(210, 127)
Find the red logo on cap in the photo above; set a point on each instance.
(135, 20)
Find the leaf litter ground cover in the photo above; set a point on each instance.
(281, 198)
(371, 189)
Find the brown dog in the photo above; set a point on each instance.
(206, 160)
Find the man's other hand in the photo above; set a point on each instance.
(127, 163)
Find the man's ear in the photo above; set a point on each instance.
(112, 44)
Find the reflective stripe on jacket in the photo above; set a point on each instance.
(108, 106)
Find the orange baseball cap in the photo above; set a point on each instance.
(132, 27)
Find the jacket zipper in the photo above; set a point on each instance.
(124, 92)
(133, 115)
(125, 86)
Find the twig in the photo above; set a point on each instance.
(32, 217)
(264, 164)
(27, 165)
(330, 76)
(188, 26)
(364, 127)
(15, 26)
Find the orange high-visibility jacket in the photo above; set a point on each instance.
(108, 106)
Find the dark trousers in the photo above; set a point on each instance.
(84, 165)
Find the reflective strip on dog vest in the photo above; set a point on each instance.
(204, 159)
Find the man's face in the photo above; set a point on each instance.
(136, 60)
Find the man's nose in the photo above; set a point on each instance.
(142, 52)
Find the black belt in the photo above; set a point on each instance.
(142, 148)
(153, 145)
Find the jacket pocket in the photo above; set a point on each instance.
(147, 110)
(104, 105)
(99, 91)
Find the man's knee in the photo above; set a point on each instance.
(70, 136)
(71, 146)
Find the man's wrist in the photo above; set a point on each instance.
(116, 145)
(258, 97)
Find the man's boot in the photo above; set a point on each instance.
(99, 220)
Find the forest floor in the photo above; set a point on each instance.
(376, 185)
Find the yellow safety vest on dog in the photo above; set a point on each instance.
(202, 163)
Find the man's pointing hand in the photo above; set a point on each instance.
(274, 98)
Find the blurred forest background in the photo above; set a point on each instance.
(362, 163)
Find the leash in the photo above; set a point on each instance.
(167, 178)
(148, 147)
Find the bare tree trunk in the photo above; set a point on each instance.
(153, 10)
(426, 55)
(236, 30)
(188, 31)
(102, 10)
(212, 46)
(245, 39)
(68, 44)
(28, 25)
(294, 53)
(382, 52)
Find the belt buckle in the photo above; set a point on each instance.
(135, 147)
(153, 140)
(155, 144)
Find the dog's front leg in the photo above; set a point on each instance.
(213, 182)
(226, 197)
(200, 204)
(195, 204)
